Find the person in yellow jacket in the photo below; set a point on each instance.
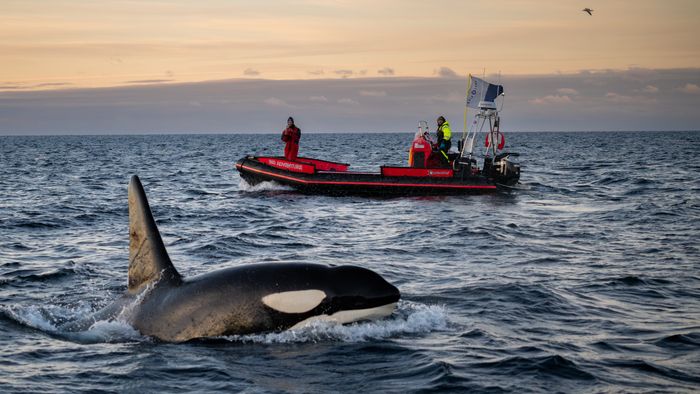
(444, 138)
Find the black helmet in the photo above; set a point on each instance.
(441, 118)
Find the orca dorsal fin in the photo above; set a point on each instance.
(148, 259)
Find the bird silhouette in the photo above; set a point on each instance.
(590, 11)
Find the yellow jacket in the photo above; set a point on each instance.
(445, 131)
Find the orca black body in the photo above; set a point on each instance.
(238, 300)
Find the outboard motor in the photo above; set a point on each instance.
(488, 166)
(505, 171)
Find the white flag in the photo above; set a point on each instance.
(480, 90)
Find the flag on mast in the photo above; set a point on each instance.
(480, 90)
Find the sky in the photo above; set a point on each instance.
(243, 66)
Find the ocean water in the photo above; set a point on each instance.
(586, 279)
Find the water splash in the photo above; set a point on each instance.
(410, 318)
(51, 318)
(262, 187)
(111, 331)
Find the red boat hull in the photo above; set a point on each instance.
(305, 176)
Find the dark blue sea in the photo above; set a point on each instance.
(585, 279)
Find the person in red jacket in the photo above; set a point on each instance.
(291, 136)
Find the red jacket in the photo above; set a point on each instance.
(291, 134)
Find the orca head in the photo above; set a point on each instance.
(343, 288)
(349, 294)
(355, 288)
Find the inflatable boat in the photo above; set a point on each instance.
(430, 171)
(325, 177)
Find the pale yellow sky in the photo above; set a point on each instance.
(62, 43)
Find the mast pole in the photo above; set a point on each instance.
(466, 108)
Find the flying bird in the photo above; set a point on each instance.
(590, 11)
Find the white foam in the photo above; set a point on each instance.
(118, 329)
(263, 186)
(107, 331)
(49, 319)
(410, 318)
(35, 317)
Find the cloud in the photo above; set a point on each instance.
(386, 71)
(149, 81)
(373, 93)
(650, 89)
(551, 99)
(343, 73)
(276, 102)
(21, 86)
(348, 101)
(47, 84)
(254, 105)
(690, 88)
(12, 87)
(624, 99)
(445, 72)
(567, 91)
(442, 99)
(251, 72)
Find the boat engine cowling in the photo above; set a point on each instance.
(420, 152)
(504, 171)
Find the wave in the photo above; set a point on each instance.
(632, 280)
(517, 299)
(647, 368)
(689, 341)
(554, 365)
(35, 224)
(16, 274)
(32, 276)
(200, 192)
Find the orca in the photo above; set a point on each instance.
(252, 298)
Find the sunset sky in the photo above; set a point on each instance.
(51, 50)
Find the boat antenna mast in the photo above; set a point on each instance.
(481, 95)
